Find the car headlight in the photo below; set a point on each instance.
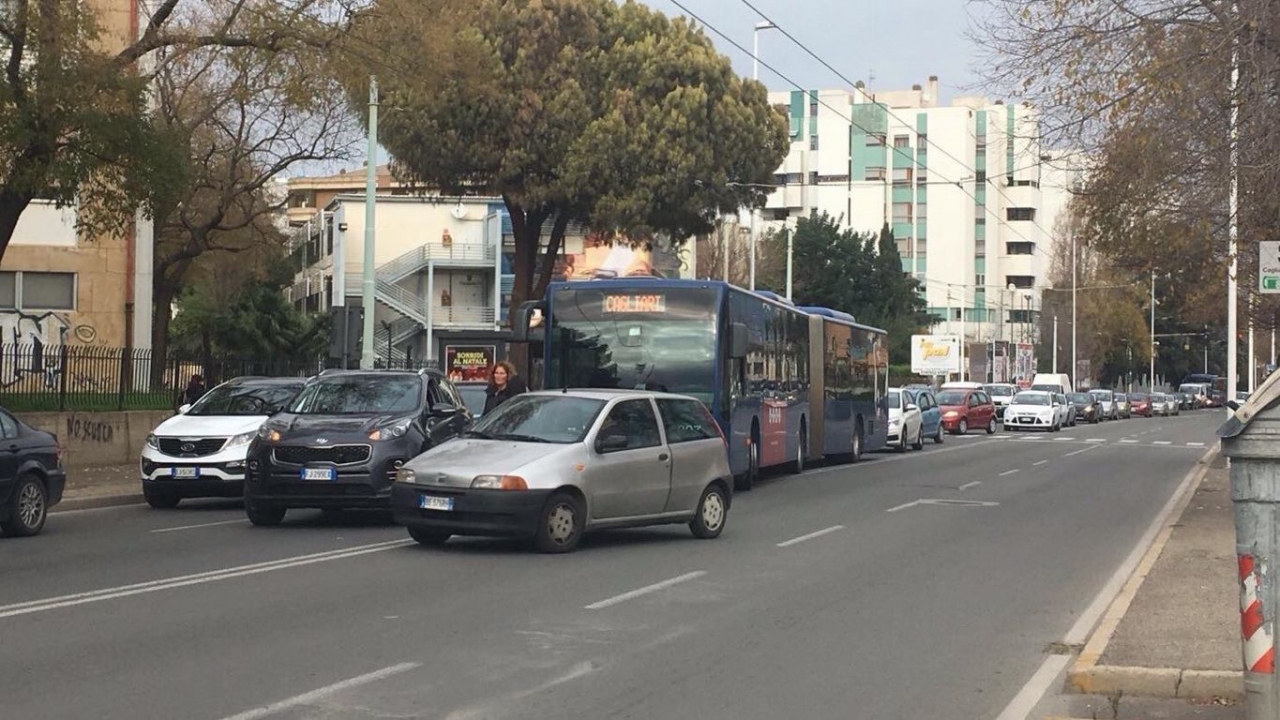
(405, 475)
(268, 433)
(153, 442)
(240, 440)
(895, 422)
(952, 414)
(390, 432)
(499, 482)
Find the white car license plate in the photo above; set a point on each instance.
(184, 473)
(319, 474)
(431, 502)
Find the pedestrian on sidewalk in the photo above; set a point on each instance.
(195, 390)
(504, 384)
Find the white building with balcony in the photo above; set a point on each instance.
(962, 186)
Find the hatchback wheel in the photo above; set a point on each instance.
(963, 428)
(560, 526)
(712, 512)
(991, 426)
(937, 436)
(29, 508)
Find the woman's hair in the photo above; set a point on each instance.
(511, 371)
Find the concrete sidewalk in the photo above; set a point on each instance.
(105, 486)
(1169, 646)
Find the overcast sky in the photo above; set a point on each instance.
(897, 42)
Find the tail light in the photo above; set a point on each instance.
(60, 452)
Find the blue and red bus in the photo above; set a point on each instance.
(786, 384)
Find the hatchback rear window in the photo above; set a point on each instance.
(951, 397)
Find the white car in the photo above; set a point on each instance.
(201, 451)
(906, 424)
(1033, 410)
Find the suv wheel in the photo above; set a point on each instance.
(28, 508)
(262, 514)
(424, 536)
(161, 500)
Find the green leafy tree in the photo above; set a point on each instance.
(588, 111)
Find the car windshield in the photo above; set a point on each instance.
(1030, 398)
(540, 418)
(1122, 398)
(894, 399)
(1079, 398)
(1138, 397)
(1104, 395)
(245, 399)
(951, 397)
(998, 390)
(359, 395)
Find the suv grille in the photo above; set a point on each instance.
(338, 454)
(195, 448)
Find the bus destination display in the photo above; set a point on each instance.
(635, 303)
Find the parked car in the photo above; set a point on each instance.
(1159, 405)
(341, 440)
(1086, 407)
(473, 396)
(552, 466)
(1106, 403)
(1141, 404)
(1066, 410)
(930, 413)
(1001, 395)
(963, 409)
(202, 451)
(1124, 409)
(31, 476)
(1171, 401)
(1052, 382)
(1034, 410)
(906, 425)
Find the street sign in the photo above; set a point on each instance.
(1269, 267)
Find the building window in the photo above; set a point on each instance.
(1021, 282)
(875, 174)
(1020, 248)
(795, 178)
(8, 290)
(875, 139)
(902, 176)
(922, 176)
(901, 141)
(980, 221)
(1019, 213)
(902, 212)
(813, 177)
(922, 211)
(813, 142)
(980, 279)
(779, 178)
(980, 248)
(980, 176)
(981, 143)
(48, 291)
(813, 108)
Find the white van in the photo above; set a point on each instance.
(1052, 382)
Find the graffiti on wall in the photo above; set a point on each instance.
(88, 430)
(33, 334)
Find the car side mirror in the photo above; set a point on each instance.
(184, 409)
(611, 443)
(442, 412)
(912, 406)
(738, 336)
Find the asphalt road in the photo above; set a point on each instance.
(850, 591)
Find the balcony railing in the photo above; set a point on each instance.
(463, 254)
(470, 316)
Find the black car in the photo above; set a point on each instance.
(31, 476)
(339, 443)
(1088, 408)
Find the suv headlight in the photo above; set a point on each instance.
(268, 433)
(153, 442)
(240, 440)
(390, 432)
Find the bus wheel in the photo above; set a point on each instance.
(802, 450)
(745, 481)
(856, 455)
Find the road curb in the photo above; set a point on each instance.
(1087, 676)
(93, 503)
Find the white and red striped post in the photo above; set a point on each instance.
(1255, 628)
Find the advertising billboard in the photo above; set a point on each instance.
(935, 354)
(469, 363)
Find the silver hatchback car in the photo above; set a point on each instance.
(551, 466)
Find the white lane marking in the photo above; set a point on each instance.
(324, 692)
(1096, 440)
(903, 506)
(1128, 441)
(964, 503)
(1195, 444)
(608, 602)
(968, 485)
(1085, 450)
(810, 536)
(240, 521)
(1161, 442)
(1063, 439)
(65, 601)
(1009, 472)
(1038, 464)
(1028, 697)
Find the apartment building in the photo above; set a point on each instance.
(443, 271)
(961, 185)
(59, 286)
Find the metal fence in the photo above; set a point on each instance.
(70, 377)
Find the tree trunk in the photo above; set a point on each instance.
(526, 226)
(161, 303)
(553, 248)
(12, 205)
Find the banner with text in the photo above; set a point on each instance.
(935, 354)
(469, 363)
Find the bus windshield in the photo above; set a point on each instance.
(636, 338)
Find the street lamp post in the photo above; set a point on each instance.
(755, 75)
(1151, 378)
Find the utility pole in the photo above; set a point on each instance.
(370, 190)
(1055, 348)
(1151, 379)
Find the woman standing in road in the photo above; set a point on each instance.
(504, 384)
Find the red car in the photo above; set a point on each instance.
(965, 409)
(1140, 404)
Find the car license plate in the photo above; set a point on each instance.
(319, 474)
(184, 473)
(431, 502)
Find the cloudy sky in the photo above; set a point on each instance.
(896, 42)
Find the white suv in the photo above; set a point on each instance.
(200, 452)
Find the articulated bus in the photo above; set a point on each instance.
(786, 384)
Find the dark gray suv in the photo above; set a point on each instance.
(339, 443)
